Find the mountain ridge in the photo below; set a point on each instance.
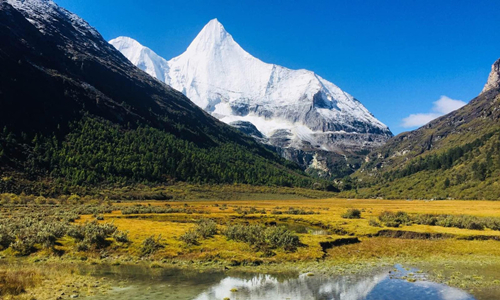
(293, 109)
(75, 113)
(454, 156)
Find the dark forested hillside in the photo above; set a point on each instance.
(455, 156)
(74, 111)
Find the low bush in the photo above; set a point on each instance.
(7, 237)
(24, 247)
(93, 234)
(121, 236)
(190, 237)
(395, 219)
(151, 244)
(352, 213)
(250, 210)
(263, 238)
(457, 221)
(374, 222)
(292, 211)
(205, 228)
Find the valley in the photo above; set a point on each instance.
(215, 175)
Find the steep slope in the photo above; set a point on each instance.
(292, 109)
(457, 155)
(75, 111)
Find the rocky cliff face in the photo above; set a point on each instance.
(494, 78)
(292, 109)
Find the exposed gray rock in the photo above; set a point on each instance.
(494, 78)
(247, 128)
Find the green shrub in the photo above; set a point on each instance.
(262, 238)
(395, 219)
(250, 210)
(292, 211)
(74, 199)
(352, 213)
(190, 237)
(24, 247)
(95, 235)
(81, 246)
(374, 222)
(41, 200)
(150, 245)
(121, 236)
(281, 237)
(206, 228)
(48, 233)
(7, 237)
(394, 224)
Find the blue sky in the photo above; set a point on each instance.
(397, 57)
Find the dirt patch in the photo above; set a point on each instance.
(480, 238)
(401, 234)
(338, 242)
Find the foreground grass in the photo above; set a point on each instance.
(45, 280)
(331, 240)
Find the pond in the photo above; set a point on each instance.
(135, 282)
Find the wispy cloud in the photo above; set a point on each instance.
(441, 107)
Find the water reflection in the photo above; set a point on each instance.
(170, 284)
(304, 287)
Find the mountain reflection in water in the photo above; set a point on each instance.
(189, 285)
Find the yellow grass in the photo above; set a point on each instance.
(220, 251)
(328, 213)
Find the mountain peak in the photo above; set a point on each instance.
(212, 35)
(141, 56)
(494, 78)
(292, 108)
(125, 41)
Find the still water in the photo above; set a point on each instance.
(144, 283)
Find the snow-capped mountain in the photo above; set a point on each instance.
(291, 108)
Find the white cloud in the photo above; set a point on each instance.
(441, 107)
(446, 105)
(417, 120)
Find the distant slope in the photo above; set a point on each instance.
(457, 155)
(75, 112)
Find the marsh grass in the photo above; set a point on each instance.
(224, 237)
(16, 282)
(194, 237)
(42, 281)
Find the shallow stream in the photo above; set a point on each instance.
(135, 282)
